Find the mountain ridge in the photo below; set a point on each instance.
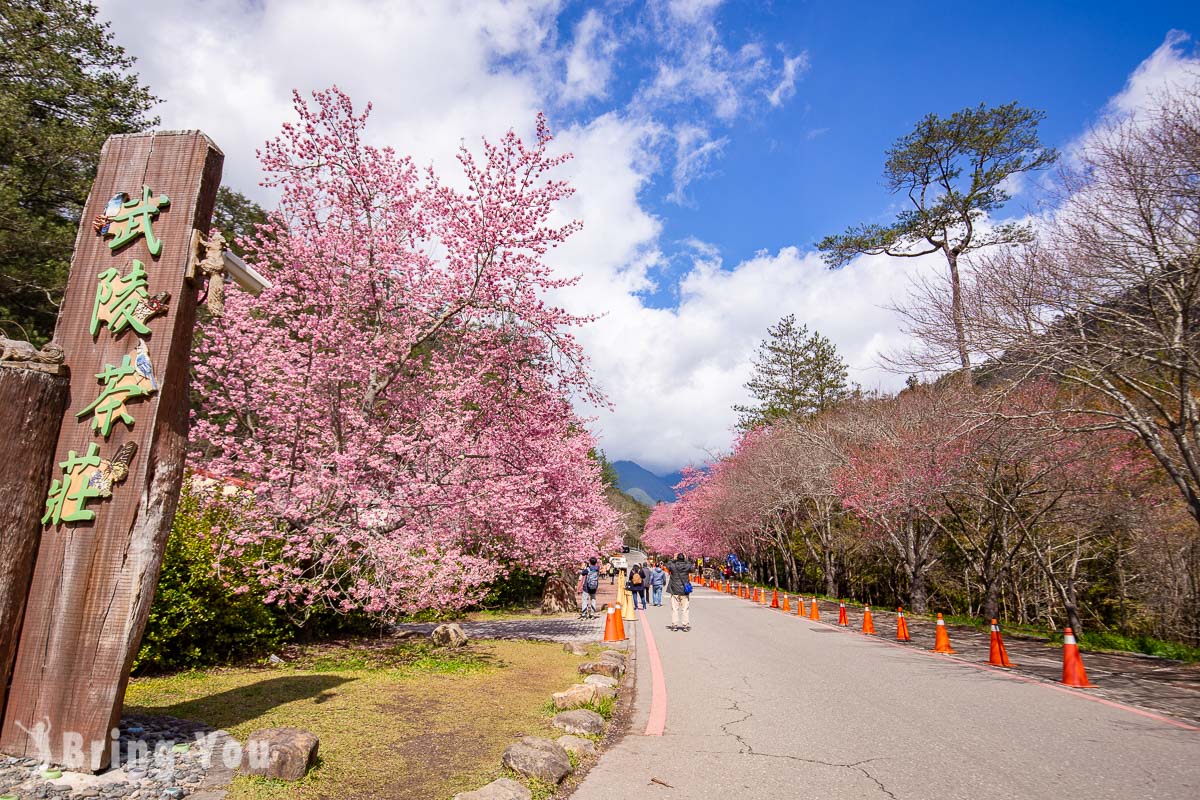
(643, 485)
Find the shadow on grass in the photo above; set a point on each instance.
(244, 703)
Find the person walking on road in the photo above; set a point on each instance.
(680, 588)
(591, 583)
(658, 579)
(638, 585)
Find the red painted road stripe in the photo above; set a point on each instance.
(1024, 679)
(658, 685)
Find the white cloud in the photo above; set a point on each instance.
(695, 150)
(793, 68)
(1169, 67)
(590, 61)
(445, 72)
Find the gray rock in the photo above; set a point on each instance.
(609, 668)
(615, 657)
(576, 648)
(581, 720)
(449, 635)
(577, 745)
(536, 757)
(500, 789)
(578, 695)
(600, 680)
(290, 752)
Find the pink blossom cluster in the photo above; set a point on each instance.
(400, 397)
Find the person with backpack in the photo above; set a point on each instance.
(591, 584)
(680, 588)
(638, 585)
(658, 579)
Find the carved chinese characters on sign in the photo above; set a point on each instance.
(132, 379)
(125, 220)
(121, 302)
(85, 478)
(125, 301)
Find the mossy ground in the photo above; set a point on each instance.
(394, 720)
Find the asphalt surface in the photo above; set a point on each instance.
(766, 705)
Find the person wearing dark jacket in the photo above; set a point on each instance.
(638, 583)
(677, 586)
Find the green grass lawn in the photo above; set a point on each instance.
(401, 720)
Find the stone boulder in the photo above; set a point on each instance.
(615, 655)
(600, 680)
(289, 753)
(608, 668)
(499, 789)
(578, 745)
(581, 721)
(575, 648)
(578, 695)
(535, 757)
(449, 635)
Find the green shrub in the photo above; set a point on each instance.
(195, 620)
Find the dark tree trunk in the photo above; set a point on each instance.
(32, 402)
(560, 595)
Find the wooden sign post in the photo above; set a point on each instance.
(126, 328)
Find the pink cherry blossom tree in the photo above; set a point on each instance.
(400, 398)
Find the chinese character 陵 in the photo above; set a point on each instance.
(124, 301)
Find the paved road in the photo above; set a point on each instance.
(763, 705)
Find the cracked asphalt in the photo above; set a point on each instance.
(765, 705)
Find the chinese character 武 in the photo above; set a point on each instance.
(125, 220)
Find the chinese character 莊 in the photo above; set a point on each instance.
(85, 478)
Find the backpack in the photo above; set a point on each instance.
(592, 582)
(636, 580)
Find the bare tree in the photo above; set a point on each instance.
(1107, 299)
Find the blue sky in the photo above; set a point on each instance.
(715, 142)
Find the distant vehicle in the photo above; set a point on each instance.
(618, 562)
(624, 548)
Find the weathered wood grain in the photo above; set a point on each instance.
(94, 581)
(32, 402)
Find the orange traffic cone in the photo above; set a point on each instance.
(901, 626)
(611, 620)
(868, 623)
(1073, 672)
(815, 614)
(845, 623)
(774, 598)
(620, 622)
(786, 605)
(799, 606)
(941, 643)
(998, 656)
(757, 595)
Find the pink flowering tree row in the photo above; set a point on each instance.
(400, 399)
(995, 482)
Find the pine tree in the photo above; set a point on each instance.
(796, 374)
